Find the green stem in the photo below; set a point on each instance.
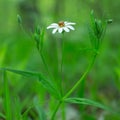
(45, 64)
(60, 54)
(61, 71)
(6, 97)
(81, 79)
(62, 57)
(56, 109)
(63, 111)
(60, 68)
(76, 85)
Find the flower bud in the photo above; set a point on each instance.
(19, 19)
(38, 30)
(109, 21)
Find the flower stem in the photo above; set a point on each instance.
(62, 57)
(61, 72)
(75, 86)
(82, 78)
(60, 54)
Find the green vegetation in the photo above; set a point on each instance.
(74, 75)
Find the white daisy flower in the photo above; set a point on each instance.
(61, 27)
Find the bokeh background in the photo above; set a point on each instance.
(18, 51)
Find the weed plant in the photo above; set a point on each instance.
(57, 96)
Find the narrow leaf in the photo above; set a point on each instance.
(92, 30)
(17, 108)
(26, 111)
(7, 101)
(87, 102)
(92, 37)
(49, 86)
(42, 38)
(19, 19)
(117, 70)
(39, 109)
(2, 116)
(93, 21)
(23, 73)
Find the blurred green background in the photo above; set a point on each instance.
(18, 51)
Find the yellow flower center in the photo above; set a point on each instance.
(61, 24)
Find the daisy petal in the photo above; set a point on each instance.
(54, 31)
(66, 29)
(61, 26)
(54, 24)
(51, 27)
(69, 23)
(70, 27)
(60, 30)
(65, 22)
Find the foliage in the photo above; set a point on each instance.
(30, 85)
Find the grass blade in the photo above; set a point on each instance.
(26, 112)
(2, 116)
(47, 84)
(17, 108)
(39, 109)
(87, 102)
(7, 101)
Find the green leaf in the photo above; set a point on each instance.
(26, 111)
(39, 109)
(92, 37)
(19, 19)
(2, 116)
(42, 38)
(103, 29)
(117, 70)
(93, 22)
(17, 108)
(117, 80)
(97, 31)
(38, 30)
(86, 102)
(47, 84)
(23, 73)
(92, 30)
(7, 100)
(39, 37)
